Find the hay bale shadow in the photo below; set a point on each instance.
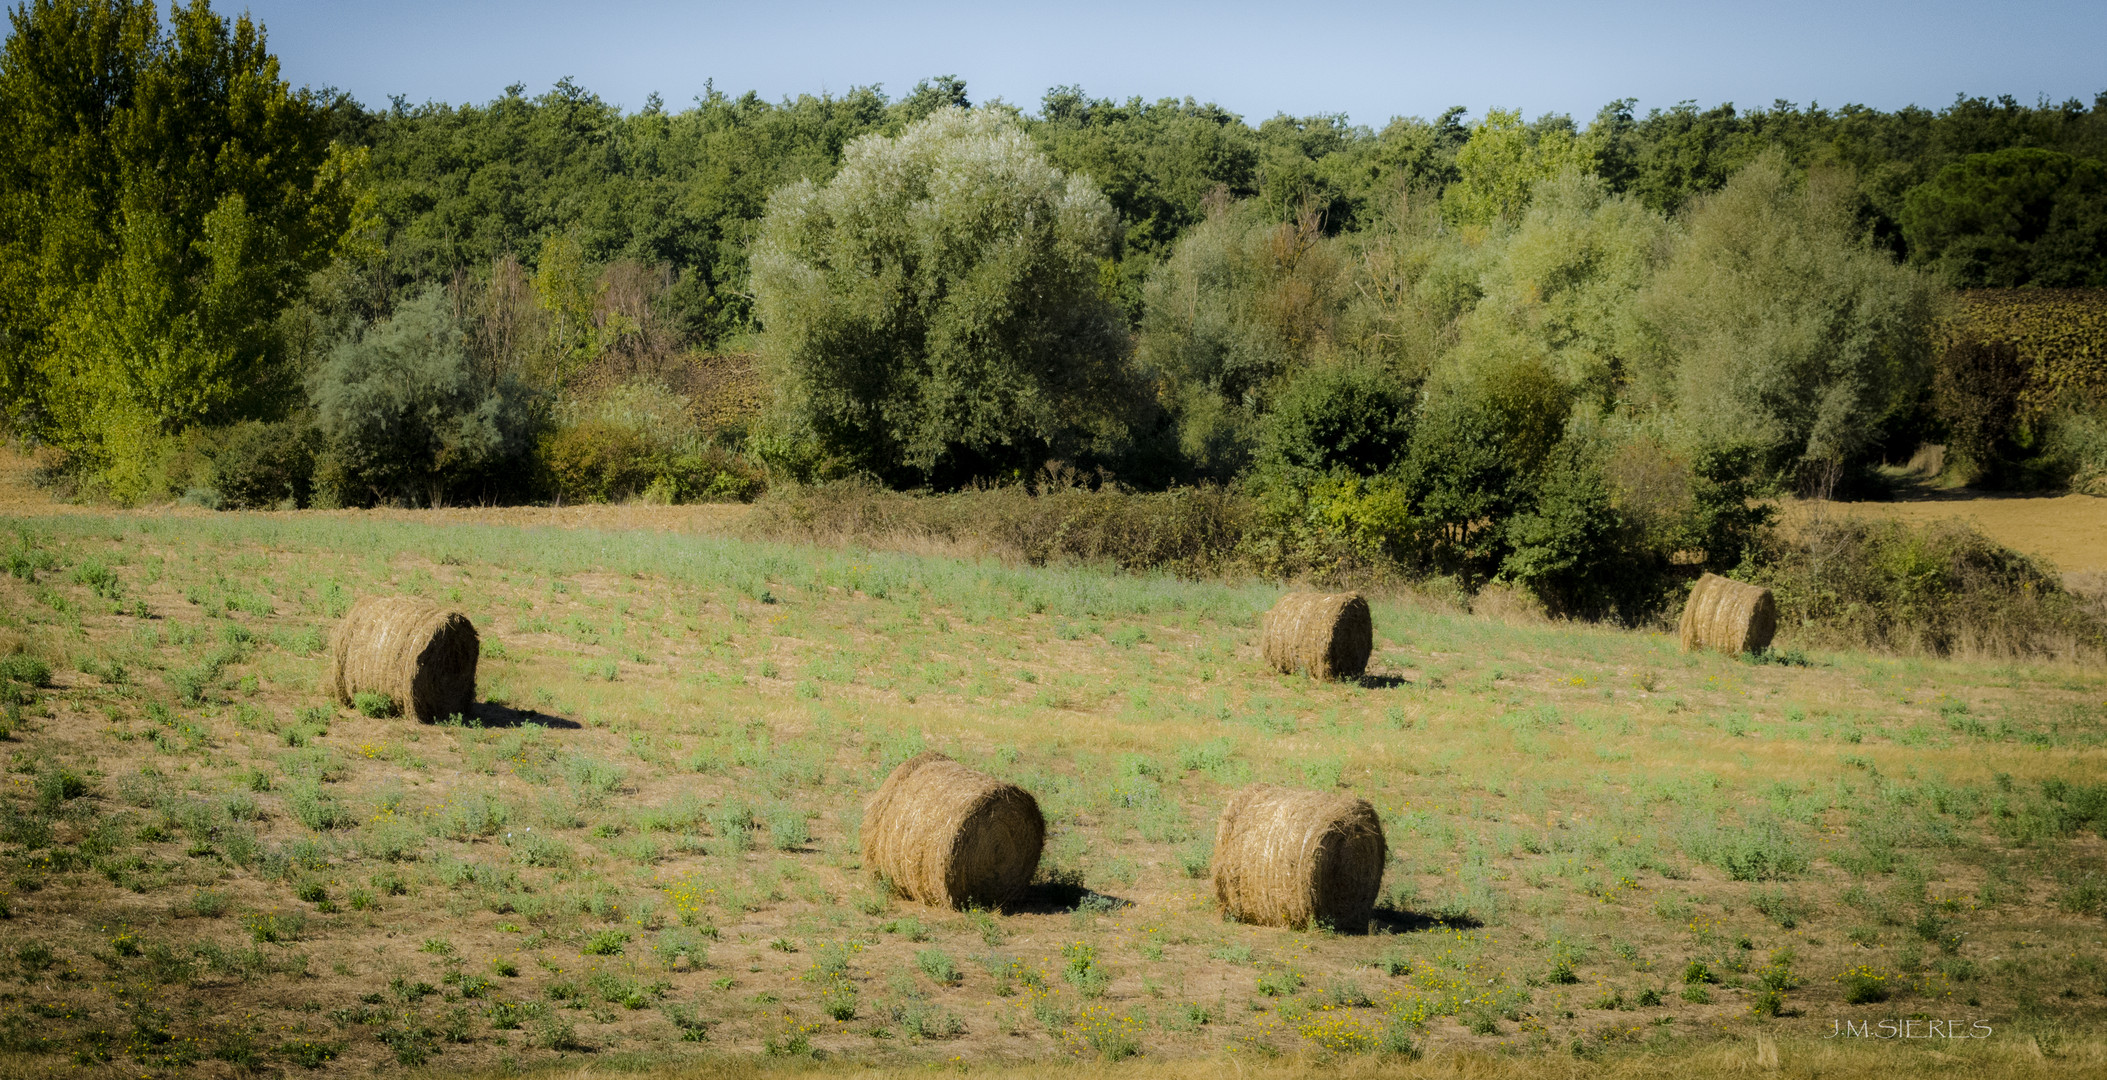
(1061, 897)
(1393, 920)
(490, 714)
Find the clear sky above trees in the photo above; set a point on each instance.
(1369, 60)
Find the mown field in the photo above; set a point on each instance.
(642, 849)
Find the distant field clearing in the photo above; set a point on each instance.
(2068, 530)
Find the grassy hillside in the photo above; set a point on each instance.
(644, 844)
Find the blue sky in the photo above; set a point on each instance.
(1370, 61)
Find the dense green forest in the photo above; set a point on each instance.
(1480, 345)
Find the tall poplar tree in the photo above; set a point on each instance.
(163, 196)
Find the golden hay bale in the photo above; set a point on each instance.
(1727, 615)
(1287, 858)
(1326, 634)
(952, 837)
(422, 656)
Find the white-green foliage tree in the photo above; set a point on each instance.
(934, 311)
(1774, 326)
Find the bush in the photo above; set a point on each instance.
(2074, 449)
(693, 1028)
(315, 808)
(606, 943)
(1781, 908)
(1975, 393)
(594, 462)
(1281, 982)
(407, 415)
(273, 928)
(1352, 417)
(261, 466)
(1571, 548)
(637, 440)
(1475, 457)
(58, 786)
(25, 670)
(787, 827)
(1938, 589)
(938, 965)
(1865, 985)
(309, 1054)
(1186, 530)
(1726, 522)
(551, 1031)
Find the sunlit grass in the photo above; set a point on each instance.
(655, 845)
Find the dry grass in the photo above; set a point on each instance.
(1795, 1059)
(947, 835)
(419, 656)
(1728, 616)
(1322, 635)
(678, 734)
(1298, 858)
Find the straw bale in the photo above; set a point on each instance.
(421, 655)
(1729, 616)
(1327, 635)
(1289, 858)
(949, 836)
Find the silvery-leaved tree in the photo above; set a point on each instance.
(1776, 327)
(935, 313)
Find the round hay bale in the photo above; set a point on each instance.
(1327, 635)
(948, 836)
(1729, 616)
(422, 656)
(1289, 858)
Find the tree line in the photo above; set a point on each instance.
(1483, 345)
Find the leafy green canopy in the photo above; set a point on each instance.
(934, 310)
(2019, 216)
(163, 196)
(1353, 417)
(457, 188)
(460, 187)
(1503, 162)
